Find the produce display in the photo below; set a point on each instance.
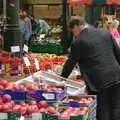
(47, 62)
(43, 93)
(23, 98)
(27, 109)
(16, 66)
(48, 43)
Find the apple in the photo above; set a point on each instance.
(1, 87)
(33, 103)
(23, 110)
(6, 98)
(4, 83)
(51, 110)
(23, 104)
(42, 104)
(42, 110)
(1, 108)
(16, 108)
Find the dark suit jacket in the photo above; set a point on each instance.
(98, 56)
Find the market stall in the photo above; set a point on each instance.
(42, 94)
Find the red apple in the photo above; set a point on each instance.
(23, 104)
(1, 87)
(23, 110)
(4, 83)
(16, 108)
(6, 98)
(1, 108)
(42, 110)
(42, 104)
(51, 110)
(33, 103)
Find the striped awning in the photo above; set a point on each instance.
(93, 2)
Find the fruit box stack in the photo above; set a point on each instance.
(84, 100)
(28, 92)
(53, 93)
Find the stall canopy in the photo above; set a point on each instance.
(93, 2)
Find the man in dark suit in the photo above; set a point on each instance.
(99, 59)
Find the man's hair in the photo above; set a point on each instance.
(76, 21)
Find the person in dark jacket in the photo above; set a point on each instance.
(98, 57)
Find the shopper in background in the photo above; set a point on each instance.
(114, 31)
(98, 24)
(24, 28)
(28, 22)
(44, 25)
(98, 57)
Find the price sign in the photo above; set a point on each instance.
(3, 116)
(37, 65)
(36, 116)
(15, 49)
(25, 48)
(26, 61)
(48, 96)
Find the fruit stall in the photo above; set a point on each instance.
(47, 42)
(42, 94)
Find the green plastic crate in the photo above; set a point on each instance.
(47, 48)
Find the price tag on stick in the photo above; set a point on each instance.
(25, 48)
(37, 64)
(26, 61)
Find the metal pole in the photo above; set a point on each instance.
(64, 39)
(4, 10)
(12, 35)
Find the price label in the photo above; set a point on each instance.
(37, 65)
(42, 36)
(71, 90)
(25, 48)
(48, 96)
(15, 49)
(22, 118)
(26, 61)
(4, 116)
(110, 19)
(36, 116)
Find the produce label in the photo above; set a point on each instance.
(48, 96)
(26, 61)
(15, 49)
(36, 116)
(22, 118)
(37, 64)
(3, 116)
(25, 48)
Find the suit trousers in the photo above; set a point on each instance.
(109, 103)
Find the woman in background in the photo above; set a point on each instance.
(24, 29)
(114, 31)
